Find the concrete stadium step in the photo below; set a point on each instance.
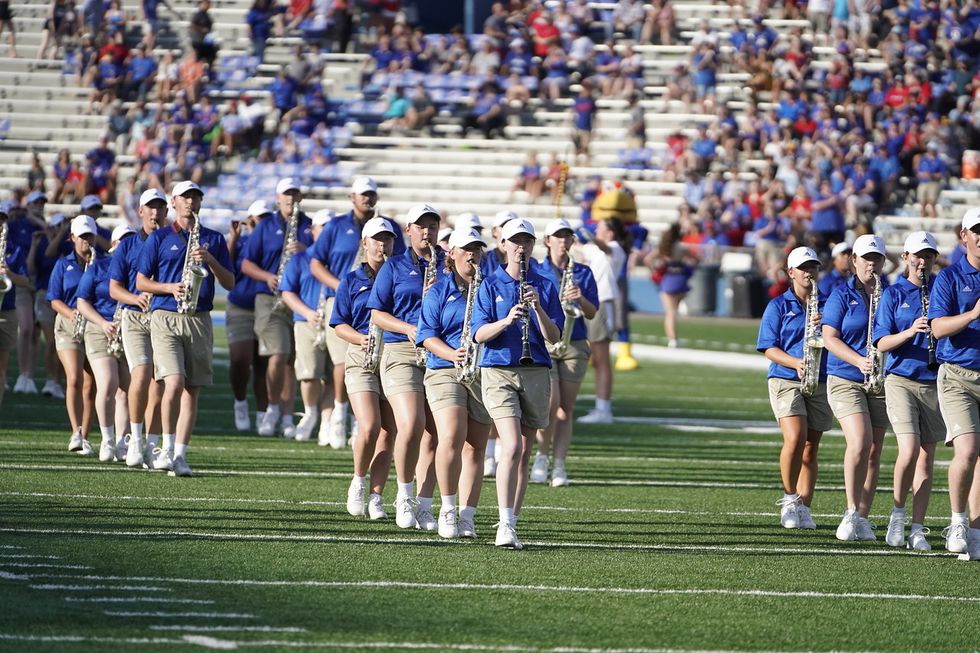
(55, 120)
(66, 134)
(8, 92)
(53, 107)
(29, 65)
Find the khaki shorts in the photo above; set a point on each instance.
(274, 329)
(913, 407)
(311, 363)
(43, 312)
(787, 400)
(96, 343)
(137, 340)
(63, 330)
(522, 392)
(849, 397)
(8, 330)
(572, 366)
(182, 344)
(602, 325)
(239, 324)
(442, 390)
(399, 370)
(959, 400)
(356, 378)
(336, 346)
(25, 297)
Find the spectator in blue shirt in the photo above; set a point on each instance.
(260, 19)
(141, 72)
(584, 109)
(14, 267)
(487, 113)
(930, 174)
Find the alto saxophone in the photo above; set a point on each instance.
(194, 273)
(874, 381)
(78, 326)
(292, 227)
(571, 309)
(115, 346)
(320, 339)
(375, 343)
(427, 279)
(466, 369)
(6, 285)
(812, 346)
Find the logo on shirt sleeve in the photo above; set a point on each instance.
(174, 248)
(498, 299)
(854, 302)
(905, 305)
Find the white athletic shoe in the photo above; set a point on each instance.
(865, 530)
(163, 460)
(596, 416)
(243, 422)
(304, 430)
(424, 521)
(507, 537)
(806, 517)
(895, 535)
(53, 389)
(149, 458)
(375, 508)
(19, 385)
(539, 471)
(86, 448)
(355, 497)
(134, 452)
(122, 446)
(267, 425)
(448, 528)
(75, 443)
(180, 467)
(559, 477)
(917, 540)
(466, 528)
(337, 436)
(489, 467)
(25, 385)
(847, 530)
(789, 516)
(107, 451)
(323, 435)
(972, 545)
(955, 535)
(405, 512)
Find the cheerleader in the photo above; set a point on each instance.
(571, 362)
(111, 373)
(461, 419)
(395, 303)
(62, 289)
(861, 412)
(802, 418)
(351, 319)
(516, 396)
(902, 330)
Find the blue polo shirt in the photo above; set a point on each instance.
(20, 231)
(243, 292)
(94, 288)
(125, 263)
(65, 278)
(44, 265)
(264, 248)
(300, 280)
(782, 326)
(900, 306)
(583, 278)
(339, 242)
(15, 263)
(398, 289)
(955, 292)
(490, 262)
(351, 305)
(847, 311)
(442, 317)
(498, 293)
(829, 282)
(162, 260)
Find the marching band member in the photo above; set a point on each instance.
(457, 408)
(395, 303)
(571, 362)
(47, 246)
(803, 418)
(302, 292)
(351, 320)
(244, 363)
(145, 393)
(859, 409)
(13, 268)
(111, 373)
(62, 293)
(840, 269)
(335, 253)
(516, 396)
(954, 314)
(22, 224)
(902, 329)
(182, 342)
(274, 328)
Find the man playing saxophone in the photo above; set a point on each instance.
(274, 328)
(182, 341)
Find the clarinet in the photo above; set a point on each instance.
(526, 358)
(933, 364)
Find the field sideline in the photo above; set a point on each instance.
(668, 540)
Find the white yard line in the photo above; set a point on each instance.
(202, 615)
(52, 587)
(41, 565)
(25, 556)
(136, 599)
(229, 629)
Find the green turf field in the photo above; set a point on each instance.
(668, 539)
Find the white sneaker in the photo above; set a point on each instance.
(917, 540)
(53, 389)
(972, 545)
(149, 458)
(267, 425)
(163, 460)
(489, 467)
(466, 528)
(955, 535)
(25, 385)
(75, 443)
(539, 471)
(337, 436)
(304, 430)
(323, 436)
(122, 446)
(19, 385)
(424, 521)
(405, 512)
(806, 517)
(789, 516)
(559, 477)
(134, 452)
(507, 537)
(375, 508)
(895, 535)
(865, 530)
(847, 530)
(355, 497)
(243, 422)
(448, 528)
(596, 416)
(86, 448)
(180, 467)
(107, 451)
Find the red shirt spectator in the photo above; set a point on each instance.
(545, 35)
(896, 96)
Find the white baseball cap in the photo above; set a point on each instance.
(971, 218)
(869, 244)
(363, 185)
(918, 241)
(464, 237)
(801, 256)
(467, 221)
(557, 225)
(515, 227)
(417, 212)
(90, 202)
(185, 187)
(503, 217)
(285, 185)
(322, 217)
(151, 194)
(840, 248)
(444, 233)
(82, 225)
(120, 231)
(259, 208)
(376, 226)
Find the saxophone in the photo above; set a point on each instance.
(292, 226)
(427, 280)
(78, 326)
(874, 381)
(932, 363)
(193, 275)
(812, 346)
(6, 285)
(571, 308)
(466, 369)
(115, 346)
(375, 343)
(320, 339)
